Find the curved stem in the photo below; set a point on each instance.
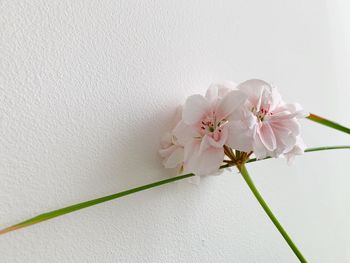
(269, 213)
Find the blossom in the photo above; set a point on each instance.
(250, 117)
(266, 124)
(203, 129)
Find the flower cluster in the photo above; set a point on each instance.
(250, 118)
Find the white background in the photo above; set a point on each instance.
(87, 88)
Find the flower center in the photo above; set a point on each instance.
(261, 114)
(210, 125)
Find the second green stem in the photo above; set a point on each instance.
(268, 211)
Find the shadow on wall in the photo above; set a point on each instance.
(133, 158)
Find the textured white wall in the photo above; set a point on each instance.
(88, 87)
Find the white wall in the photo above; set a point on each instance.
(88, 87)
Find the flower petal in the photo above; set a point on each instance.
(261, 94)
(267, 136)
(204, 144)
(219, 90)
(288, 111)
(285, 139)
(296, 107)
(253, 87)
(191, 149)
(185, 133)
(206, 163)
(232, 101)
(166, 152)
(298, 149)
(292, 125)
(194, 109)
(166, 140)
(175, 159)
(239, 137)
(260, 150)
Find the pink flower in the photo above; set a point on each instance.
(265, 124)
(203, 129)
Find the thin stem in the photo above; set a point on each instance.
(326, 148)
(269, 213)
(76, 207)
(72, 208)
(315, 149)
(328, 123)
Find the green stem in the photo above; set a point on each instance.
(76, 207)
(72, 208)
(268, 211)
(315, 149)
(328, 123)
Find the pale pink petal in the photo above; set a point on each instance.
(281, 115)
(253, 88)
(196, 106)
(261, 94)
(166, 152)
(204, 144)
(285, 139)
(296, 107)
(166, 140)
(240, 137)
(269, 99)
(275, 99)
(244, 114)
(212, 93)
(298, 149)
(260, 150)
(285, 115)
(175, 159)
(267, 136)
(210, 161)
(232, 101)
(292, 125)
(207, 163)
(288, 111)
(191, 149)
(219, 90)
(262, 99)
(190, 156)
(185, 133)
